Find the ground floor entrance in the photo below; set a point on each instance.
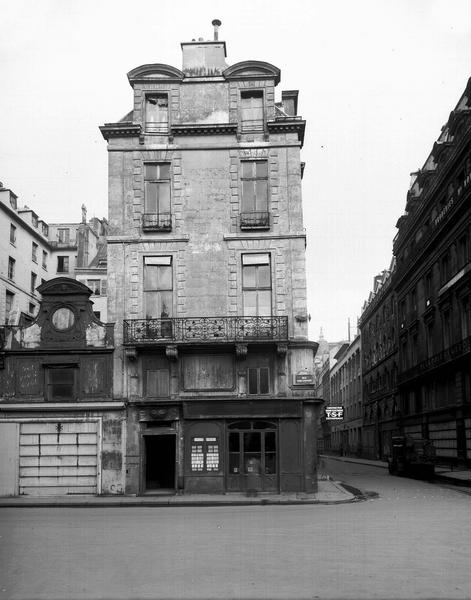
(160, 463)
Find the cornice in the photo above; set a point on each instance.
(204, 129)
(127, 129)
(288, 125)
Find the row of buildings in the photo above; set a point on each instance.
(202, 379)
(415, 328)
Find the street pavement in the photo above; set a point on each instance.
(411, 541)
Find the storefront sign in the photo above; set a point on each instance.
(334, 413)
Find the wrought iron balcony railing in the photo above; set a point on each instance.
(157, 222)
(205, 329)
(255, 220)
(446, 356)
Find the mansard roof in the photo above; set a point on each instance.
(253, 69)
(154, 71)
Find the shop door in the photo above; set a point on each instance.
(159, 467)
(58, 458)
(253, 456)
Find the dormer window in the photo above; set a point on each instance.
(156, 113)
(251, 116)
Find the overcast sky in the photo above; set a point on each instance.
(377, 80)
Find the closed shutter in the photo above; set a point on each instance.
(58, 459)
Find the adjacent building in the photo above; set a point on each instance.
(61, 433)
(206, 279)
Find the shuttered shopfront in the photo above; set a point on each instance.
(58, 458)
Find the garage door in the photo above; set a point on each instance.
(58, 458)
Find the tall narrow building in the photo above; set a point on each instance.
(206, 279)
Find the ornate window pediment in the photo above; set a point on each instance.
(155, 71)
(253, 69)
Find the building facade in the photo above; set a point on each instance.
(378, 328)
(433, 289)
(61, 433)
(206, 279)
(346, 391)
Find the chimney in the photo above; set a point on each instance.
(204, 58)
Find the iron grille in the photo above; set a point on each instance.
(206, 329)
(157, 222)
(255, 220)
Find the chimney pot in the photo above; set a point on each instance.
(216, 24)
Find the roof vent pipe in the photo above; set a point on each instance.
(216, 24)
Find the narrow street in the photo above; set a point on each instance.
(410, 542)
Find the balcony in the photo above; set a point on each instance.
(255, 220)
(157, 222)
(205, 330)
(458, 350)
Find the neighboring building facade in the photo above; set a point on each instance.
(25, 259)
(61, 433)
(346, 391)
(378, 327)
(433, 288)
(32, 251)
(206, 279)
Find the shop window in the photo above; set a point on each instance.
(256, 283)
(204, 454)
(11, 268)
(9, 297)
(62, 264)
(254, 205)
(12, 234)
(61, 383)
(251, 103)
(157, 215)
(158, 288)
(252, 448)
(258, 380)
(156, 113)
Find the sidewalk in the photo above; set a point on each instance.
(329, 492)
(457, 476)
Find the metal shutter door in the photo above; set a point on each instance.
(57, 459)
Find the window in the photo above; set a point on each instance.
(254, 205)
(463, 251)
(44, 260)
(256, 283)
(413, 299)
(465, 317)
(60, 383)
(34, 252)
(445, 268)
(446, 328)
(12, 234)
(34, 220)
(157, 197)
(97, 314)
(103, 287)
(156, 110)
(34, 278)
(63, 235)
(45, 229)
(428, 288)
(11, 268)
(158, 287)
(258, 380)
(94, 285)
(430, 341)
(31, 308)
(9, 297)
(204, 454)
(62, 264)
(251, 111)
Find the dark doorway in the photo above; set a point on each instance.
(160, 463)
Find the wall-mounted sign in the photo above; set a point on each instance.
(303, 378)
(334, 413)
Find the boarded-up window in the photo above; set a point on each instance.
(156, 377)
(210, 372)
(252, 110)
(156, 113)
